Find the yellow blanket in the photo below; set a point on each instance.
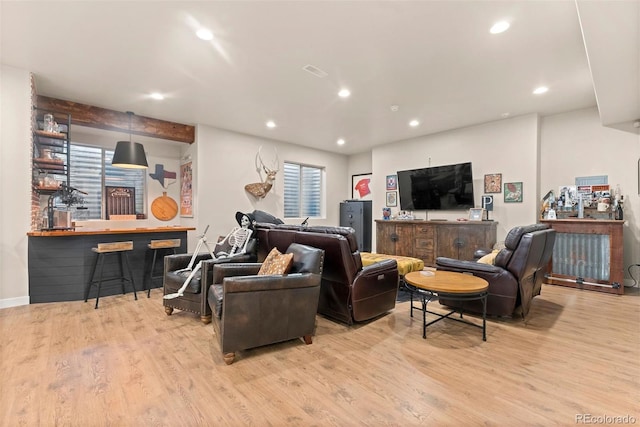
(405, 264)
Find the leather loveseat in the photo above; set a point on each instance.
(349, 293)
(517, 274)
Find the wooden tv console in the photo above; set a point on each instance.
(428, 240)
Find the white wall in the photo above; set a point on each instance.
(358, 164)
(15, 184)
(576, 144)
(223, 163)
(158, 151)
(509, 147)
(226, 163)
(543, 153)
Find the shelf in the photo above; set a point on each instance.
(54, 135)
(43, 161)
(46, 190)
(51, 156)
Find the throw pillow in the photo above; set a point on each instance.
(276, 263)
(489, 258)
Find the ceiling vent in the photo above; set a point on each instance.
(315, 71)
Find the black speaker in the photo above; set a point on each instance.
(487, 203)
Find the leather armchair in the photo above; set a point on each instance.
(251, 311)
(517, 275)
(194, 299)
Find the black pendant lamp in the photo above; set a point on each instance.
(129, 154)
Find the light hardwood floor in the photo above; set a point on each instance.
(129, 364)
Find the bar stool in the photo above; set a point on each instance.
(166, 246)
(102, 250)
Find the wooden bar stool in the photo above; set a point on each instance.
(102, 250)
(166, 246)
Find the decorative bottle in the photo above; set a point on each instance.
(619, 212)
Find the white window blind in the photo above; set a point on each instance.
(302, 191)
(91, 171)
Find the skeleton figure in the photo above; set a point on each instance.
(234, 244)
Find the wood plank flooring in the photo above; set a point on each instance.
(129, 364)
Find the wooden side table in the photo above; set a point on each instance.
(454, 286)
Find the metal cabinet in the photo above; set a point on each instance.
(357, 215)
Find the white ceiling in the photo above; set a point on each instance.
(434, 59)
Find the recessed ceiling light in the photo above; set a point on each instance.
(499, 27)
(344, 93)
(156, 95)
(204, 34)
(540, 90)
(340, 141)
(394, 108)
(413, 123)
(271, 124)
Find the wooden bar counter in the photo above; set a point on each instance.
(60, 260)
(588, 254)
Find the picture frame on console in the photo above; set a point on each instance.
(476, 214)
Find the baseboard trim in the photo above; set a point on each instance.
(14, 302)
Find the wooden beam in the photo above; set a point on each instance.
(101, 118)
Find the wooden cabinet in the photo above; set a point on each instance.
(428, 240)
(588, 254)
(461, 241)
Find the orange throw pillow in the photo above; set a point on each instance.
(276, 263)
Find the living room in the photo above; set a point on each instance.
(542, 152)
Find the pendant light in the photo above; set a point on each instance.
(129, 154)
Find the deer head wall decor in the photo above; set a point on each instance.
(260, 189)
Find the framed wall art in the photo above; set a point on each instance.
(360, 187)
(392, 198)
(392, 182)
(513, 192)
(186, 190)
(493, 183)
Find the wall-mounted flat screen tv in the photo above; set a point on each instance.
(448, 187)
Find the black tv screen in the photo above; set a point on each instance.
(448, 187)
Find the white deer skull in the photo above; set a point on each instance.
(260, 189)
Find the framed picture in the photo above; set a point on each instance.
(120, 201)
(476, 214)
(392, 182)
(513, 192)
(186, 190)
(360, 187)
(493, 183)
(392, 198)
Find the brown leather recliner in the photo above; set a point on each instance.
(194, 299)
(251, 311)
(517, 275)
(349, 292)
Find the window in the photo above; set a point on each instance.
(91, 171)
(302, 191)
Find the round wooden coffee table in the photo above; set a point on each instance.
(429, 284)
